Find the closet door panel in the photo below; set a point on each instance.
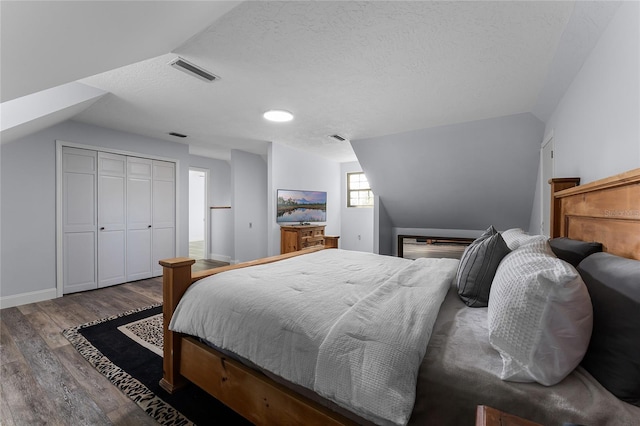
(164, 213)
(138, 254)
(79, 220)
(139, 218)
(164, 243)
(79, 261)
(111, 219)
(164, 210)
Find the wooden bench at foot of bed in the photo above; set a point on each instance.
(248, 392)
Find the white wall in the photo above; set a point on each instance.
(29, 199)
(249, 205)
(293, 169)
(356, 223)
(596, 125)
(197, 216)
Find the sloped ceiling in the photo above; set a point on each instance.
(48, 43)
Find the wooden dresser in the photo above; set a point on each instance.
(298, 237)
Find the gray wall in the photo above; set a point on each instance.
(249, 205)
(596, 125)
(29, 198)
(465, 176)
(383, 229)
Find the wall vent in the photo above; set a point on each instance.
(193, 70)
(338, 138)
(178, 135)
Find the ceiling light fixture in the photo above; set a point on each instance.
(278, 115)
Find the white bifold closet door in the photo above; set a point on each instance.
(112, 220)
(119, 217)
(79, 219)
(139, 218)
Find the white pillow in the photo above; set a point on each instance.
(540, 315)
(515, 237)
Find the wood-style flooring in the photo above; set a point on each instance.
(45, 381)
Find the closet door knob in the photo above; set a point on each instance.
(149, 226)
(102, 228)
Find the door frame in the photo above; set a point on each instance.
(545, 216)
(206, 208)
(59, 234)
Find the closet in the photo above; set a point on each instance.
(118, 218)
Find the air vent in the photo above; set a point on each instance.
(338, 138)
(193, 70)
(177, 135)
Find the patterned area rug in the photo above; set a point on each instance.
(146, 332)
(127, 349)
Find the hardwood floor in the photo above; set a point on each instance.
(44, 380)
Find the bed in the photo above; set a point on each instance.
(460, 369)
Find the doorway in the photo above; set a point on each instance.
(198, 224)
(547, 173)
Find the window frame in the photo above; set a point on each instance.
(350, 191)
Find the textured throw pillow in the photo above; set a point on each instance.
(540, 315)
(613, 357)
(515, 237)
(477, 267)
(573, 251)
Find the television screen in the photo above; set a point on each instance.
(301, 206)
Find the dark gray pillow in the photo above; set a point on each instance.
(573, 251)
(478, 266)
(613, 356)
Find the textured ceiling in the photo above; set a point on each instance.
(359, 69)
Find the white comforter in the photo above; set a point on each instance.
(351, 326)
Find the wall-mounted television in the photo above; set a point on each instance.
(301, 206)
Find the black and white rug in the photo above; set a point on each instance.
(127, 349)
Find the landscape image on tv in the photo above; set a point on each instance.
(301, 206)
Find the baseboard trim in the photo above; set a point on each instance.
(220, 257)
(30, 297)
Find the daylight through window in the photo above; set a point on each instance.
(358, 191)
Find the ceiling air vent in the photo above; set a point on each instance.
(193, 70)
(177, 135)
(338, 138)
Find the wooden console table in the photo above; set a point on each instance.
(432, 240)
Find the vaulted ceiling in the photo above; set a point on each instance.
(358, 69)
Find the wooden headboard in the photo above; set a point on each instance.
(606, 211)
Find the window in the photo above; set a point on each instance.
(358, 191)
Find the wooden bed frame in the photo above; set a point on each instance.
(607, 210)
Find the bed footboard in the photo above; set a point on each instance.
(176, 278)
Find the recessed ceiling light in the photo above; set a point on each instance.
(278, 115)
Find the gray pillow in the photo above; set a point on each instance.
(573, 251)
(477, 267)
(613, 356)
